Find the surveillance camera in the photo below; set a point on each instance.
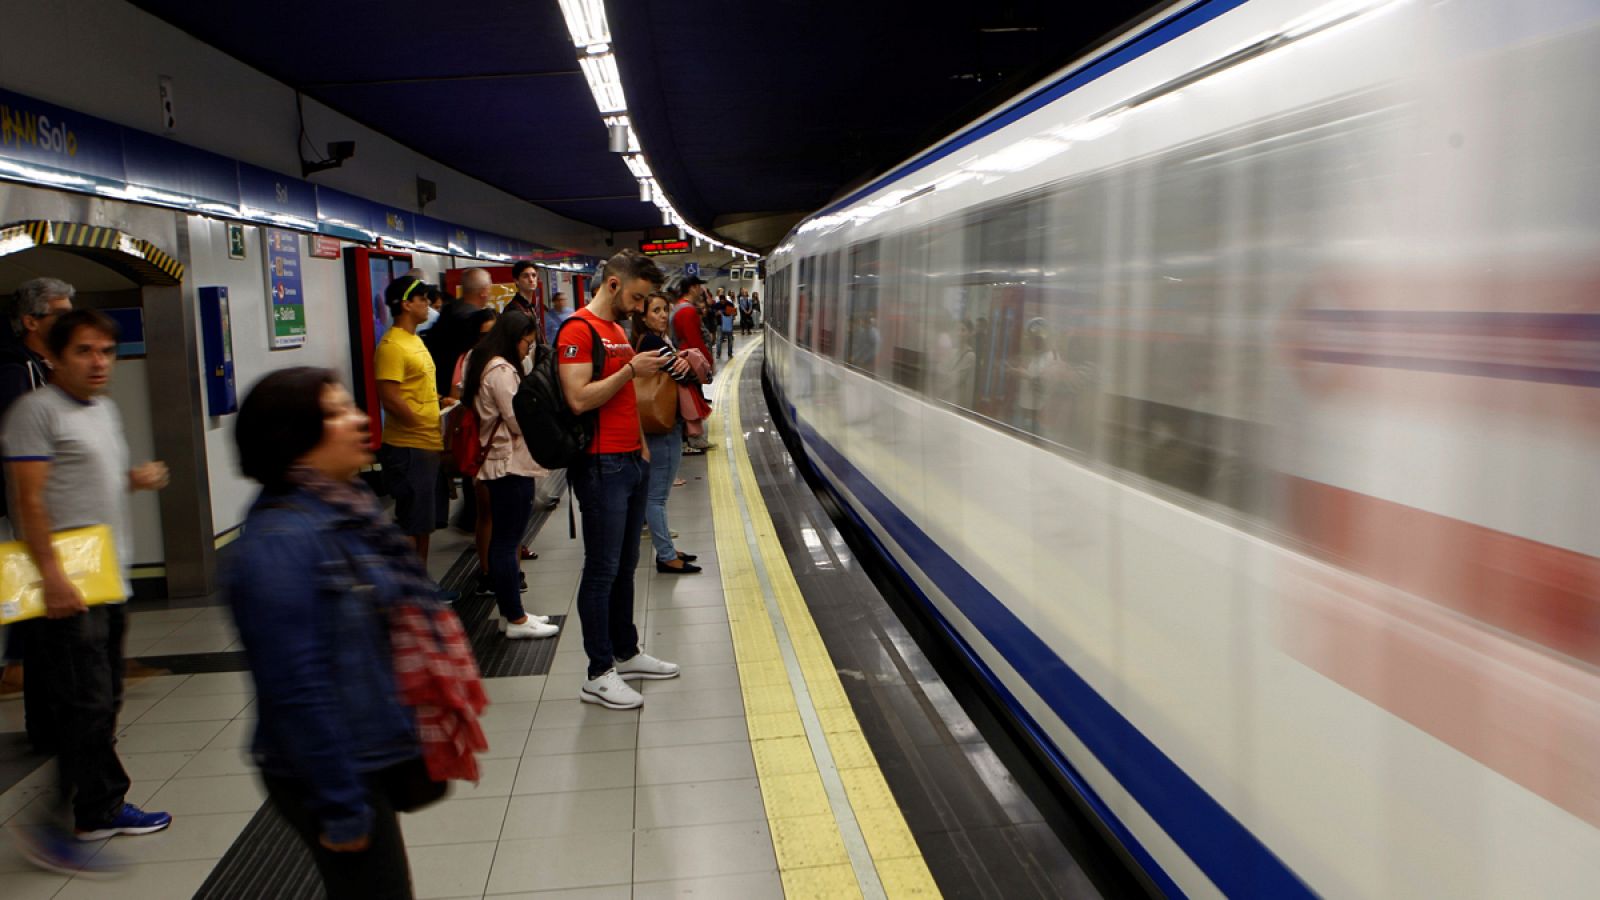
(341, 150)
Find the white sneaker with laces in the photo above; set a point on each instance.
(643, 666)
(610, 691)
(532, 628)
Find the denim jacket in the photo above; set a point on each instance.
(302, 584)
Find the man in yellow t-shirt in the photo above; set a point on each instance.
(411, 439)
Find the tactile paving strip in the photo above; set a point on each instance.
(266, 862)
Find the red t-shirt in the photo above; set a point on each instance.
(618, 428)
(686, 330)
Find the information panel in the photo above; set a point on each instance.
(286, 299)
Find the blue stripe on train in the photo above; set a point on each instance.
(1233, 858)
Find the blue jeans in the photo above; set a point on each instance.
(726, 340)
(611, 489)
(666, 451)
(510, 506)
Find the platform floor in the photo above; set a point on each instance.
(809, 748)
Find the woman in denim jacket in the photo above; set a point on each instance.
(311, 575)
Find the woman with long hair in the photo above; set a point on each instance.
(650, 333)
(493, 373)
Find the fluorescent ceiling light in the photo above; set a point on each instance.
(586, 21)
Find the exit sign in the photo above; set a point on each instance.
(662, 248)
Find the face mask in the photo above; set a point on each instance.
(433, 316)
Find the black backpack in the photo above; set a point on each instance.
(556, 436)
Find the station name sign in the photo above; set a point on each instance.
(663, 248)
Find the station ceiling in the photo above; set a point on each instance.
(743, 107)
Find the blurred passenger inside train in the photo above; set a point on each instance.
(68, 467)
(660, 417)
(25, 367)
(507, 472)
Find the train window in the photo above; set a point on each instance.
(828, 337)
(1067, 320)
(860, 310)
(903, 309)
(953, 320)
(1006, 242)
(805, 321)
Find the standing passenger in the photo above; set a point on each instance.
(527, 300)
(67, 463)
(507, 473)
(412, 443)
(612, 480)
(666, 450)
(26, 368)
(725, 314)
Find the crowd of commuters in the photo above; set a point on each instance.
(349, 641)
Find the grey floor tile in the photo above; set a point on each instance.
(576, 772)
(507, 716)
(450, 870)
(237, 733)
(154, 766)
(693, 615)
(157, 686)
(609, 892)
(207, 683)
(569, 813)
(696, 678)
(574, 713)
(752, 886)
(177, 646)
(562, 863)
(158, 738)
(215, 794)
(466, 820)
(588, 739)
(715, 654)
(692, 731)
(708, 704)
(516, 689)
(699, 851)
(703, 633)
(673, 595)
(698, 803)
(221, 761)
(495, 778)
(701, 762)
(146, 881)
(205, 708)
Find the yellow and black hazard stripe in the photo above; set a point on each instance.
(137, 258)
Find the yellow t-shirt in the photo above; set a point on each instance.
(402, 357)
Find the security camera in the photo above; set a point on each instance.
(338, 152)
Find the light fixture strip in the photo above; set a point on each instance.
(591, 36)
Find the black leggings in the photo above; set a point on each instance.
(380, 872)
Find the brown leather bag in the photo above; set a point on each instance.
(657, 396)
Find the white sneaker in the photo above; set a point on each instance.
(500, 621)
(609, 690)
(643, 666)
(532, 628)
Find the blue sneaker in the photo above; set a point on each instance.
(54, 850)
(130, 820)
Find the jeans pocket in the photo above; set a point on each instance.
(613, 464)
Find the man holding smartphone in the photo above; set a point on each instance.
(611, 481)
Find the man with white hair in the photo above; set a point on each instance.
(24, 368)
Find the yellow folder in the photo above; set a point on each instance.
(89, 557)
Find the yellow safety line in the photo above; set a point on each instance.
(809, 834)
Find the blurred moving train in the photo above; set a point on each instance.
(1233, 398)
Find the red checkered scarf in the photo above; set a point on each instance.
(435, 672)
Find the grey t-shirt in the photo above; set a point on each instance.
(88, 456)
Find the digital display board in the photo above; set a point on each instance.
(662, 248)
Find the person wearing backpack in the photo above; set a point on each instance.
(503, 466)
(611, 478)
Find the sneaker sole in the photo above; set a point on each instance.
(648, 676)
(104, 833)
(587, 697)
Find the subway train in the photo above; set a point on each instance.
(1231, 399)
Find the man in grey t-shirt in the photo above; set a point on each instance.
(67, 467)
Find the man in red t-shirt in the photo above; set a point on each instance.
(686, 331)
(612, 480)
